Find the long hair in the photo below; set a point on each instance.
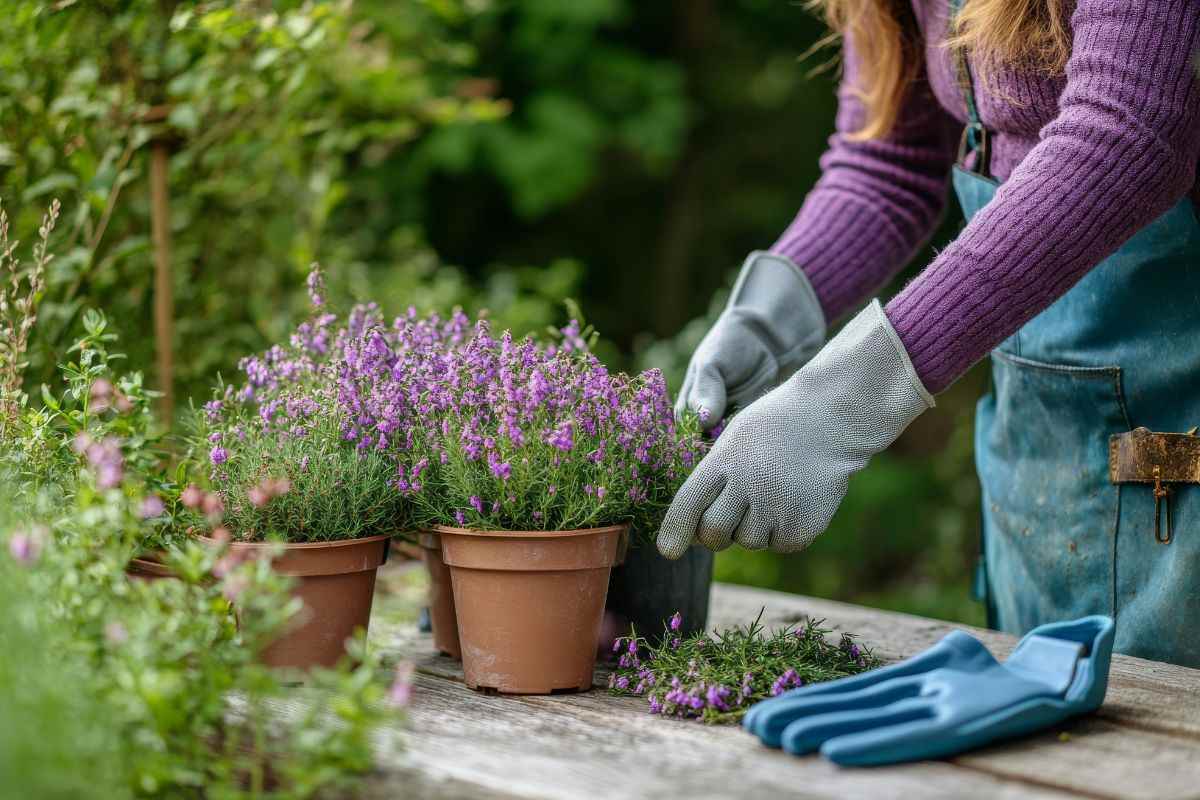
(1030, 34)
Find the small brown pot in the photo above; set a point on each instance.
(441, 596)
(336, 581)
(529, 604)
(148, 568)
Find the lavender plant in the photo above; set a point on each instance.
(307, 447)
(362, 427)
(716, 677)
(517, 436)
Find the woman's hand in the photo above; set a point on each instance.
(772, 325)
(778, 473)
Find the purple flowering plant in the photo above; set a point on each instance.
(306, 446)
(516, 435)
(715, 677)
(362, 426)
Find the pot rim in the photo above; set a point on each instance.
(502, 534)
(300, 545)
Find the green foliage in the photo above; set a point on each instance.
(716, 677)
(153, 686)
(334, 491)
(267, 107)
(171, 675)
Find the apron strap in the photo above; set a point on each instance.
(975, 137)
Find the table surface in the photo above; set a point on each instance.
(457, 743)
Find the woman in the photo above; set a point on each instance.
(1072, 133)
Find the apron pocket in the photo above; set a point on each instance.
(1049, 511)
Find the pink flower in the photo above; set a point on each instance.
(192, 496)
(258, 496)
(212, 505)
(400, 693)
(26, 546)
(101, 395)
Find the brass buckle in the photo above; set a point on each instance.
(1161, 460)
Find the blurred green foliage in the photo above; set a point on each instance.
(627, 154)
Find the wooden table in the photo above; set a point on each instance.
(1144, 742)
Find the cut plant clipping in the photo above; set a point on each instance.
(715, 677)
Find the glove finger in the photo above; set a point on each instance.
(755, 532)
(678, 529)
(770, 724)
(721, 519)
(707, 397)
(685, 391)
(906, 741)
(953, 645)
(806, 735)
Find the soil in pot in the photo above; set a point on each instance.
(336, 582)
(441, 596)
(648, 588)
(529, 605)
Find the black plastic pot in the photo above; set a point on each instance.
(647, 589)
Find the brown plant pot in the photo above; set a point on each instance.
(148, 568)
(530, 604)
(441, 596)
(336, 582)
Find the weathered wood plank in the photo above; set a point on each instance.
(463, 744)
(596, 745)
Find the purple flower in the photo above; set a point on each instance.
(218, 455)
(26, 546)
(152, 506)
(676, 621)
(622, 682)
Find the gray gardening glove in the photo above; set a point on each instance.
(777, 474)
(771, 326)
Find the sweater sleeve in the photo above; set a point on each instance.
(877, 201)
(1121, 151)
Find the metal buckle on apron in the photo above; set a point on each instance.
(1162, 459)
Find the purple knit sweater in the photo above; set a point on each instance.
(1087, 159)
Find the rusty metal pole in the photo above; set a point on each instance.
(164, 300)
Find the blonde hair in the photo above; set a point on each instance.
(1031, 34)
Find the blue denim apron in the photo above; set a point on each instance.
(1120, 349)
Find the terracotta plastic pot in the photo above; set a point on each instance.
(530, 604)
(148, 568)
(336, 582)
(441, 596)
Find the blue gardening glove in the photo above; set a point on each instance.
(953, 697)
(778, 473)
(771, 326)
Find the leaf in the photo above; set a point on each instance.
(54, 182)
(49, 399)
(184, 117)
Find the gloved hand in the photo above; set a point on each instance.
(771, 326)
(777, 474)
(953, 697)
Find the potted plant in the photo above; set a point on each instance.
(305, 465)
(535, 461)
